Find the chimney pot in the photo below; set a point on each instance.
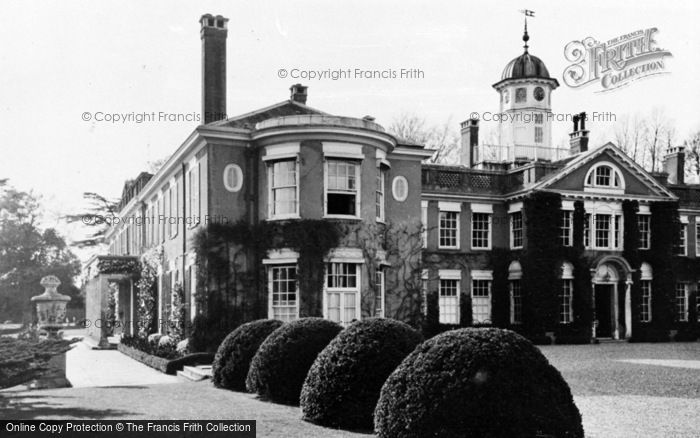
(578, 139)
(298, 93)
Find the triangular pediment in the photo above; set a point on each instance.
(577, 176)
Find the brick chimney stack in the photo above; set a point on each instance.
(298, 93)
(470, 140)
(213, 33)
(674, 165)
(578, 139)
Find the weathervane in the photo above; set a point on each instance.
(527, 13)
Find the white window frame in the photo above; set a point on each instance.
(521, 229)
(480, 301)
(449, 207)
(271, 267)
(489, 230)
(681, 301)
(516, 318)
(424, 222)
(449, 301)
(380, 194)
(567, 223)
(343, 291)
(645, 313)
(683, 238)
(644, 217)
(173, 209)
(271, 214)
(566, 294)
(357, 163)
(193, 201)
(615, 230)
(539, 134)
(697, 238)
(591, 180)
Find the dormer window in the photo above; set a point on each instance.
(605, 176)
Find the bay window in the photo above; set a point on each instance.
(283, 189)
(342, 187)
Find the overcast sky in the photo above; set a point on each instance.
(61, 59)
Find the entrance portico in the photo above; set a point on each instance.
(606, 277)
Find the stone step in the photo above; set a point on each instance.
(195, 373)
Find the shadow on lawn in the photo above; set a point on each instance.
(30, 407)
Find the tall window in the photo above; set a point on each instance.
(566, 229)
(516, 229)
(565, 299)
(516, 302)
(173, 209)
(682, 247)
(379, 297)
(424, 222)
(448, 301)
(682, 301)
(538, 134)
(342, 189)
(587, 230)
(607, 231)
(161, 219)
(379, 201)
(481, 301)
(193, 209)
(645, 314)
(449, 229)
(284, 297)
(697, 303)
(697, 237)
(602, 230)
(481, 230)
(283, 188)
(644, 225)
(342, 292)
(424, 292)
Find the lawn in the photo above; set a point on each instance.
(617, 398)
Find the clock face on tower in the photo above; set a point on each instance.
(539, 94)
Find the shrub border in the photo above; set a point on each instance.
(167, 366)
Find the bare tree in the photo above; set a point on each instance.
(692, 162)
(440, 138)
(658, 127)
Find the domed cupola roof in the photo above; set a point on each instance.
(525, 66)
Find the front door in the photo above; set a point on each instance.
(603, 301)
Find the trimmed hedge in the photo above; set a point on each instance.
(233, 357)
(343, 385)
(478, 383)
(278, 369)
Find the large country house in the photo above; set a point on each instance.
(574, 244)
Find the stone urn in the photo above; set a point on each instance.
(51, 306)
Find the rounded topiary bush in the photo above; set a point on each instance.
(232, 359)
(342, 387)
(478, 383)
(278, 369)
